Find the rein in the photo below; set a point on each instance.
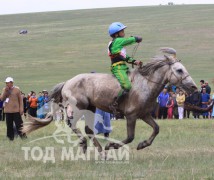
(172, 73)
(134, 51)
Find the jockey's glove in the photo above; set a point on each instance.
(138, 39)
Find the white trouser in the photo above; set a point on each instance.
(181, 112)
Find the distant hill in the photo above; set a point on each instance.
(59, 45)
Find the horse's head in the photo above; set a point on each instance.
(178, 75)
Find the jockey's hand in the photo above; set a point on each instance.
(138, 39)
(138, 63)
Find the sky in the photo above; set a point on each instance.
(28, 6)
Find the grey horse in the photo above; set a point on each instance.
(88, 91)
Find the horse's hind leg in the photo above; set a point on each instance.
(150, 121)
(131, 122)
(89, 129)
(72, 116)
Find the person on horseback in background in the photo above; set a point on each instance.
(119, 58)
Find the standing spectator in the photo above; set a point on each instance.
(195, 99)
(208, 88)
(180, 101)
(205, 101)
(213, 105)
(13, 108)
(202, 85)
(40, 107)
(102, 122)
(188, 100)
(28, 103)
(162, 100)
(33, 105)
(170, 105)
(24, 104)
(46, 104)
(1, 110)
(175, 108)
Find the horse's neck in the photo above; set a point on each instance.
(154, 83)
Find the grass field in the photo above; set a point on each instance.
(182, 150)
(60, 45)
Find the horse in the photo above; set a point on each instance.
(91, 90)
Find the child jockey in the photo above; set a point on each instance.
(117, 53)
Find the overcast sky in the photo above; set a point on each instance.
(25, 6)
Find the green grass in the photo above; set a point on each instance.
(182, 150)
(60, 45)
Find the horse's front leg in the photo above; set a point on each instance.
(131, 122)
(150, 121)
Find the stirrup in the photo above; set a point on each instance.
(116, 113)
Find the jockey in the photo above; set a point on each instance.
(118, 56)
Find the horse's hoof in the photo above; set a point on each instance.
(142, 145)
(103, 155)
(112, 145)
(109, 145)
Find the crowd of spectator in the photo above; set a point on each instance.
(170, 102)
(36, 106)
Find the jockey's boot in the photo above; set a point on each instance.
(114, 106)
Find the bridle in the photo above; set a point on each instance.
(172, 73)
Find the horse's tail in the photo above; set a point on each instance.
(36, 123)
(56, 94)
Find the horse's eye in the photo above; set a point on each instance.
(179, 71)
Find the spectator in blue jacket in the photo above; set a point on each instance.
(162, 101)
(40, 107)
(205, 101)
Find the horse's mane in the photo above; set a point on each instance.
(157, 62)
(153, 65)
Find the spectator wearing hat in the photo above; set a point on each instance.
(13, 108)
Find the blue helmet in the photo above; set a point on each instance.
(115, 27)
